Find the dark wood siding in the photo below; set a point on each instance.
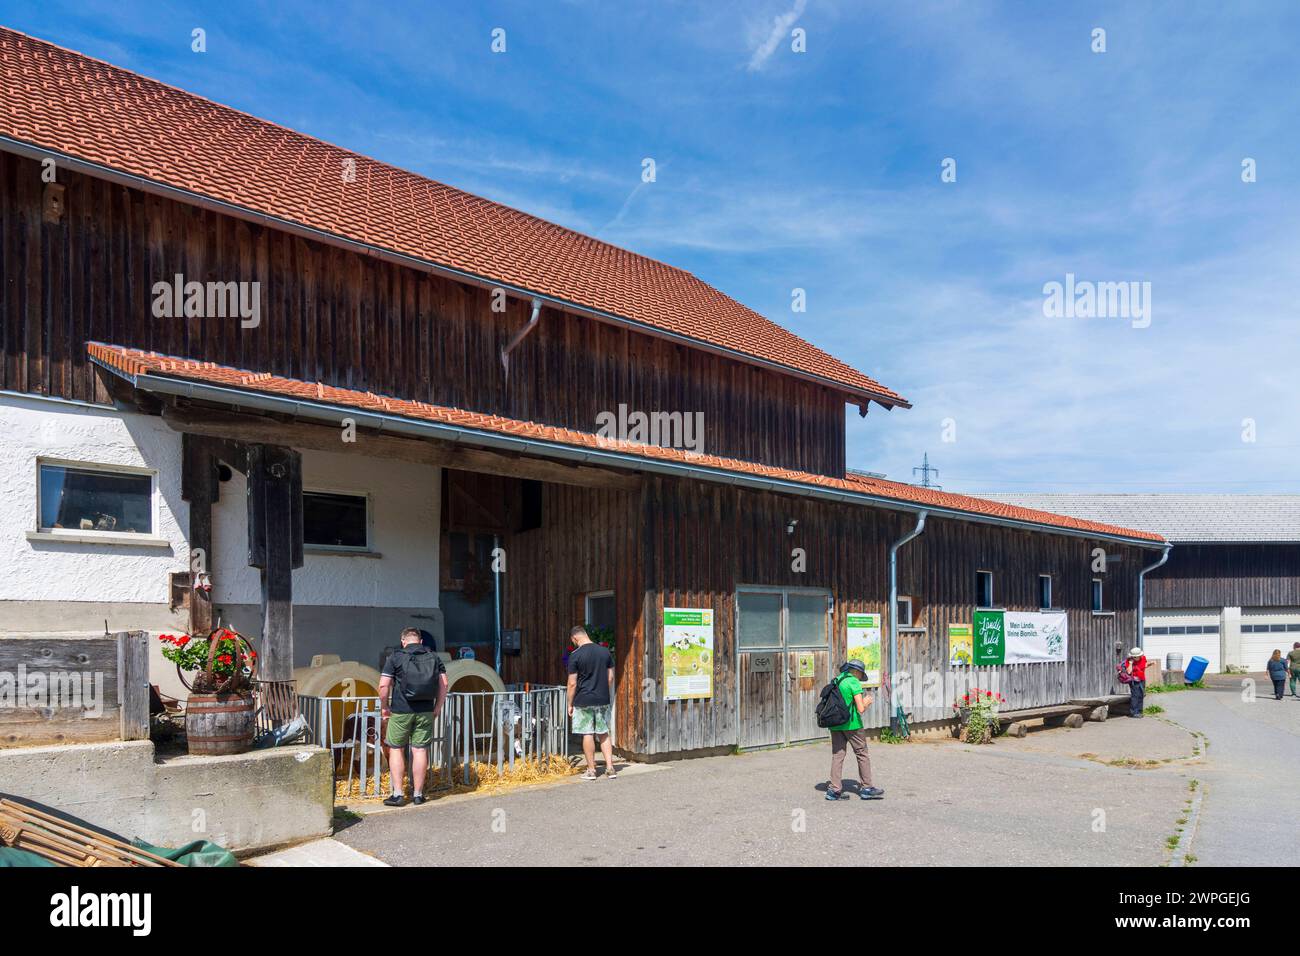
(354, 321)
(1226, 575)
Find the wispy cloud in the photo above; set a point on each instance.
(780, 30)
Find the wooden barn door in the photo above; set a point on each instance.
(783, 659)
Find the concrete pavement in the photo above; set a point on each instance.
(1057, 797)
(1251, 776)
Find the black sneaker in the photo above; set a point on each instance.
(870, 793)
(418, 799)
(396, 800)
(833, 794)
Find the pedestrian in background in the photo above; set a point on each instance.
(1277, 673)
(1293, 656)
(1136, 668)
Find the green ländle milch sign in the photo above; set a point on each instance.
(1021, 637)
(990, 638)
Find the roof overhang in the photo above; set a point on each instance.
(144, 184)
(239, 399)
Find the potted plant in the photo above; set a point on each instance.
(977, 715)
(219, 713)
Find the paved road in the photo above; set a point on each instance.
(1015, 803)
(1252, 773)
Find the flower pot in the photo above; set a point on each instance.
(219, 723)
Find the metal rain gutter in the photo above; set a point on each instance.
(189, 197)
(894, 706)
(1142, 580)
(602, 458)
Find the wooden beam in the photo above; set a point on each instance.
(201, 488)
(275, 547)
(235, 426)
(133, 684)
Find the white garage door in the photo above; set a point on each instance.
(1262, 630)
(1192, 633)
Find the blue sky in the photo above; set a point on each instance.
(821, 170)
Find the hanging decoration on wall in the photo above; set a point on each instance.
(688, 653)
(1020, 637)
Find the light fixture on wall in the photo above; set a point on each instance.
(789, 529)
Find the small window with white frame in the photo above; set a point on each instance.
(904, 612)
(334, 520)
(600, 611)
(984, 589)
(1045, 591)
(1098, 596)
(90, 499)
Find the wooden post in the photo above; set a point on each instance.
(201, 487)
(133, 684)
(275, 547)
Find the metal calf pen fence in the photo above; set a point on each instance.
(474, 728)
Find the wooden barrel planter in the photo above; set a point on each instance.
(219, 723)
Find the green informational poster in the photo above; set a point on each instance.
(959, 645)
(807, 665)
(990, 638)
(864, 645)
(688, 653)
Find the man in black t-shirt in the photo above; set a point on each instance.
(591, 678)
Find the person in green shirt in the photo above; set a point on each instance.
(1293, 658)
(851, 734)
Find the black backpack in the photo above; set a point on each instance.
(832, 711)
(420, 673)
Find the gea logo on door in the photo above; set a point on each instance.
(761, 664)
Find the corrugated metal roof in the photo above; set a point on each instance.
(1187, 518)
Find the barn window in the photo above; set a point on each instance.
(904, 612)
(95, 498)
(600, 612)
(983, 588)
(1044, 591)
(332, 520)
(1098, 595)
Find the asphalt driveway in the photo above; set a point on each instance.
(1057, 797)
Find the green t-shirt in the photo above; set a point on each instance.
(1293, 656)
(850, 687)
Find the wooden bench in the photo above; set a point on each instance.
(1016, 722)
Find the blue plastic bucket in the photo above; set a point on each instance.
(1195, 669)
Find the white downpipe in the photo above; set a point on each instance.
(521, 335)
(893, 616)
(1142, 597)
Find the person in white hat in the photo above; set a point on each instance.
(1136, 668)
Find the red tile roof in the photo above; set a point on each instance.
(63, 101)
(139, 364)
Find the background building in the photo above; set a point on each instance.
(1230, 590)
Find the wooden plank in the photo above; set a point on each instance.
(78, 678)
(304, 435)
(133, 684)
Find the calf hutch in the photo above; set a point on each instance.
(254, 377)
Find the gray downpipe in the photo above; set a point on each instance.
(893, 616)
(1142, 597)
(496, 595)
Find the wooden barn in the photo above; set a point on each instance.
(352, 399)
(1230, 591)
